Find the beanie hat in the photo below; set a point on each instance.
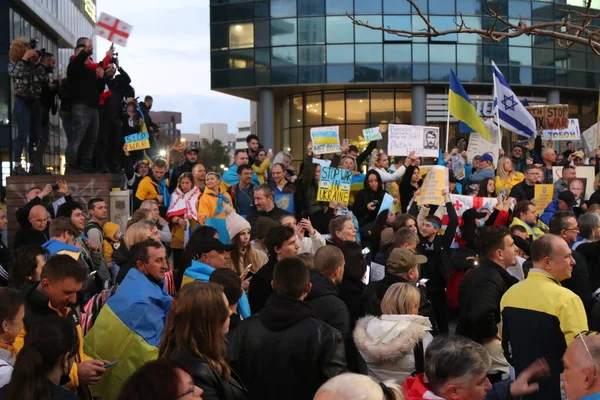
(234, 221)
(110, 229)
(263, 226)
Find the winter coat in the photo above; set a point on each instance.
(550, 210)
(513, 179)
(208, 205)
(260, 286)
(387, 344)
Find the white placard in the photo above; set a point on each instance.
(479, 146)
(589, 139)
(325, 139)
(322, 162)
(372, 134)
(571, 133)
(377, 272)
(423, 140)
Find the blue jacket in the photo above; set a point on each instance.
(231, 177)
(481, 174)
(201, 272)
(53, 247)
(549, 212)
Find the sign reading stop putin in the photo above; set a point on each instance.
(554, 116)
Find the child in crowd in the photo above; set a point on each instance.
(111, 243)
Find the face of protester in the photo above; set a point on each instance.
(384, 161)
(560, 263)
(278, 174)
(508, 165)
(491, 186)
(78, 219)
(38, 217)
(186, 390)
(577, 377)
(289, 248)
(159, 173)
(428, 230)
(100, 210)
(246, 176)
(142, 170)
(570, 146)
(216, 259)
(569, 174)
(416, 176)
(571, 231)
(529, 216)
(348, 232)
(154, 234)
(2, 219)
(262, 155)
(155, 212)
(508, 255)
(61, 293)
(287, 161)
(262, 202)
(412, 225)
(131, 111)
(317, 174)
(253, 144)
(550, 156)
(290, 222)
(12, 327)
(241, 158)
(156, 267)
(577, 188)
(373, 182)
(244, 237)
(532, 175)
(110, 71)
(348, 164)
(467, 388)
(212, 182)
(517, 152)
(199, 172)
(391, 218)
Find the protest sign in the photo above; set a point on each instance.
(554, 116)
(321, 162)
(584, 187)
(372, 134)
(590, 138)
(334, 185)
(435, 182)
(423, 140)
(387, 203)
(571, 133)
(325, 139)
(479, 146)
(543, 196)
(137, 141)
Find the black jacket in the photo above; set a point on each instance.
(579, 282)
(215, 387)
(84, 87)
(274, 214)
(27, 236)
(177, 171)
(360, 209)
(284, 352)
(121, 257)
(113, 105)
(479, 298)
(522, 191)
(5, 260)
(56, 393)
(260, 287)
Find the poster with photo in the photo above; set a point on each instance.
(423, 140)
(583, 187)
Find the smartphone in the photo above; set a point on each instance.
(376, 202)
(346, 142)
(55, 187)
(366, 251)
(249, 275)
(304, 214)
(110, 364)
(461, 146)
(92, 273)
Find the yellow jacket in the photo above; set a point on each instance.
(108, 250)
(207, 206)
(534, 232)
(178, 233)
(147, 189)
(260, 170)
(514, 178)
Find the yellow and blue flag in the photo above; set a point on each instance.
(462, 109)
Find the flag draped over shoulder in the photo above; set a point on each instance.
(128, 329)
(462, 109)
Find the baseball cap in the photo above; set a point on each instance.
(209, 244)
(568, 197)
(487, 157)
(190, 149)
(401, 261)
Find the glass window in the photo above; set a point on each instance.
(261, 9)
(283, 8)
(283, 32)
(398, 73)
(367, 6)
(369, 53)
(442, 53)
(311, 7)
(241, 77)
(340, 74)
(241, 58)
(262, 35)
(418, 24)
(382, 106)
(313, 110)
(282, 56)
(219, 34)
(521, 75)
(420, 53)
(297, 111)
(339, 30)
(420, 72)
(262, 57)
(297, 143)
(241, 36)
(311, 55)
(471, 22)
(519, 55)
(468, 73)
(397, 53)
(263, 76)
(439, 73)
(339, 7)
(357, 106)
(340, 54)
(396, 7)
(522, 40)
(367, 35)
(442, 24)
(444, 7)
(497, 53)
(334, 107)
(468, 7)
(403, 107)
(519, 9)
(422, 4)
(467, 54)
(396, 22)
(311, 30)
(542, 11)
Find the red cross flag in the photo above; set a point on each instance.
(113, 29)
(463, 203)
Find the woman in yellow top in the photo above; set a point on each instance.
(506, 176)
(261, 165)
(210, 206)
(183, 212)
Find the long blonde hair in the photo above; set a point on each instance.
(138, 232)
(400, 298)
(501, 172)
(18, 47)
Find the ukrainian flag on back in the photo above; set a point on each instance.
(128, 329)
(462, 109)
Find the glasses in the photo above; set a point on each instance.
(572, 229)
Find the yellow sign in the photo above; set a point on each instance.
(433, 185)
(543, 196)
(137, 141)
(555, 116)
(334, 185)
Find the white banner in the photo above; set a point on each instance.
(423, 140)
(589, 139)
(571, 133)
(478, 146)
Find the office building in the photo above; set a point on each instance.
(167, 122)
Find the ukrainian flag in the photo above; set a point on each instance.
(128, 329)
(357, 184)
(462, 109)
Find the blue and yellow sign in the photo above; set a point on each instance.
(334, 185)
(137, 141)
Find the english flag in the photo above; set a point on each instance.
(113, 29)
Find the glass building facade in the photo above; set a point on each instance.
(312, 58)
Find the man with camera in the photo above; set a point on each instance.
(48, 103)
(28, 76)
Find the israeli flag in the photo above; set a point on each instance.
(512, 113)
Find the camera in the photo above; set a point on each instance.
(33, 44)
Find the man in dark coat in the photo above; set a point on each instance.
(284, 352)
(191, 159)
(525, 189)
(264, 201)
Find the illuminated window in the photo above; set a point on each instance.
(241, 36)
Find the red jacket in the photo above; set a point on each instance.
(416, 389)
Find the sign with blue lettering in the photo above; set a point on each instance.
(334, 185)
(137, 141)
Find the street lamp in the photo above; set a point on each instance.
(162, 153)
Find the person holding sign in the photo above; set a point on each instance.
(410, 181)
(381, 164)
(367, 203)
(565, 202)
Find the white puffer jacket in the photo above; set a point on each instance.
(387, 344)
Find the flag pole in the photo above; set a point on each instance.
(498, 116)
(448, 128)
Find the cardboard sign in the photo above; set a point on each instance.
(137, 141)
(571, 133)
(372, 134)
(423, 140)
(554, 116)
(585, 176)
(325, 139)
(334, 185)
(479, 146)
(589, 139)
(435, 182)
(543, 196)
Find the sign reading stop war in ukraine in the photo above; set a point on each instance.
(137, 141)
(434, 184)
(334, 185)
(423, 140)
(325, 139)
(554, 116)
(571, 133)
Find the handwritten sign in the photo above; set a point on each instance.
(334, 185)
(137, 141)
(571, 133)
(479, 146)
(372, 134)
(543, 196)
(435, 182)
(423, 140)
(554, 116)
(325, 139)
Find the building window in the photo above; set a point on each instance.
(339, 7)
(283, 8)
(311, 7)
(241, 36)
(337, 54)
(311, 30)
(339, 30)
(311, 55)
(283, 32)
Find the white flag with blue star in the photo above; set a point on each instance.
(512, 114)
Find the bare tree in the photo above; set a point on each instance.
(574, 27)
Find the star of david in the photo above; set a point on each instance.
(509, 103)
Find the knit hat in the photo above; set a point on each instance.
(401, 261)
(234, 221)
(110, 230)
(263, 226)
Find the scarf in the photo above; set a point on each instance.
(163, 189)
(220, 199)
(184, 203)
